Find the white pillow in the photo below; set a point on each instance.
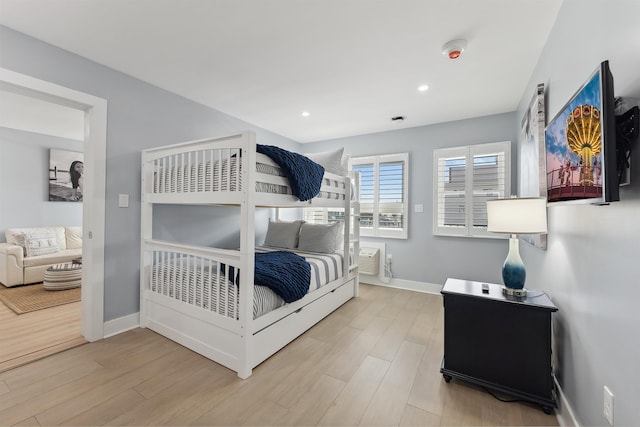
(318, 237)
(40, 243)
(11, 234)
(283, 234)
(344, 164)
(340, 236)
(331, 160)
(74, 237)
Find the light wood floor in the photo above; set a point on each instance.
(375, 361)
(31, 336)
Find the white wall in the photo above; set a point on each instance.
(591, 269)
(24, 179)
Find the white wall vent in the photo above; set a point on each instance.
(369, 261)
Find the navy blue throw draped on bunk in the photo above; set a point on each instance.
(305, 175)
(286, 273)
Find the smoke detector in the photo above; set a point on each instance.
(454, 48)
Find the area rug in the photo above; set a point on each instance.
(27, 298)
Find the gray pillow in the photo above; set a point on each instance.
(283, 234)
(318, 237)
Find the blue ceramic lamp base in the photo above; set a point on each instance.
(513, 271)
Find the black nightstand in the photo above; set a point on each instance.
(499, 342)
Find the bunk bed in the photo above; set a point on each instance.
(206, 298)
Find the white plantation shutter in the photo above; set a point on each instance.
(323, 215)
(315, 215)
(391, 195)
(367, 193)
(450, 181)
(464, 179)
(383, 194)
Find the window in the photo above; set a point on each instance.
(383, 194)
(464, 179)
(323, 215)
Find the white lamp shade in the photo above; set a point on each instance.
(517, 215)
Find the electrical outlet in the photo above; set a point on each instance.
(608, 405)
(389, 257)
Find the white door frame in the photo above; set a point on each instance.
(94, 182)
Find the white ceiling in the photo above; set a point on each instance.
(353, 64)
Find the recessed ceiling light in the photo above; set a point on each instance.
(423, 88)
(305, 114)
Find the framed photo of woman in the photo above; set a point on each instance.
(66, 170)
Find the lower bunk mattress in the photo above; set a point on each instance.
(205, 288)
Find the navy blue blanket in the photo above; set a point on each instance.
(285, 273)
(305, 175)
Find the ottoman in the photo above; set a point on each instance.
(62, 276)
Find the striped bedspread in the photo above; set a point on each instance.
(325, 268)
(183, 282)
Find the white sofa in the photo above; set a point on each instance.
(28, 252)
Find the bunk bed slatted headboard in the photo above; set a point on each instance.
(195, 280)
(207, 170)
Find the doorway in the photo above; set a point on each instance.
(93, 210)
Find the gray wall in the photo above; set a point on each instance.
(24, 193)
(424, 257)
(139, 116)
(591, 267)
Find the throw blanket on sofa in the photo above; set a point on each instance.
(305, 175)
(285, 273)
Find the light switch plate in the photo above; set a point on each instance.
(123, 200)
(419, 208)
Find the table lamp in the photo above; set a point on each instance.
(516, 216)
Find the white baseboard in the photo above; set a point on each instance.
(564, 414)
(410, 285)
(121, 324)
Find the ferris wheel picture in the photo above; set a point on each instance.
(574, 146)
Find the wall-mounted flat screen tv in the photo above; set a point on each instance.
(581, 145)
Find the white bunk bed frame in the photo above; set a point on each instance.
(238, 342)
